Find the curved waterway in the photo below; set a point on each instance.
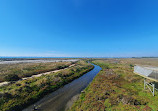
(58, 100)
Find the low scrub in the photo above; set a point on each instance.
(116, 88)
(29, 69)
(11, 77)
(26, 92)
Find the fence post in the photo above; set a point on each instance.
(153, 89)
(144, 83)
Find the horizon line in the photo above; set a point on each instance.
(75, 57)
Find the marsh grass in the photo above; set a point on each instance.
(18, 95)
(9, 71)
(116, 88)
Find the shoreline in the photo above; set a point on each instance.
(49, 88)
(51, 91)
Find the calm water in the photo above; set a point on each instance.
(37, 61)
(58, 100)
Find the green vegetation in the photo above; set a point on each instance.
(11, 77)
(18, 95)
(116, 88)
(12, 72)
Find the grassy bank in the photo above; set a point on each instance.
(23, 93)
(9, 72)
(116, 88)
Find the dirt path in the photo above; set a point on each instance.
(38, 75)
(63, 98)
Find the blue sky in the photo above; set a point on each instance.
(79, 28)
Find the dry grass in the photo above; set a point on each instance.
(117, 88)
(141, 61)
(17, 96)
(29, 69)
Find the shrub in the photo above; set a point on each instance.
(60, 67)
(11, 77)
(131, 65)
(107, 103)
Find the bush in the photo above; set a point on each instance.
(131, 65)
(11, 77)
(60, 67)
(107, 103)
